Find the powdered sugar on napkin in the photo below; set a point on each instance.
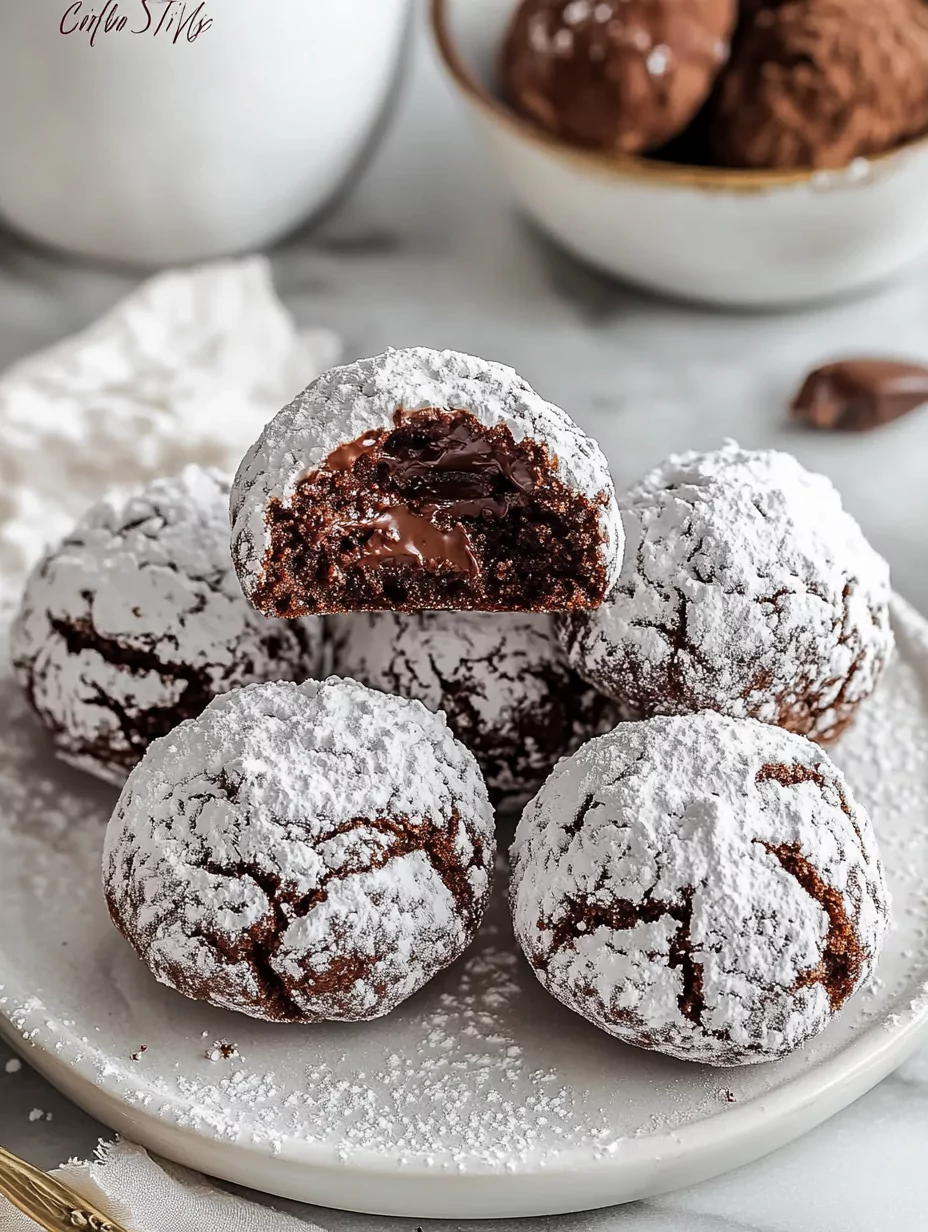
(187, 369)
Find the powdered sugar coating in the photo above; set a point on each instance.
(348, 401)
(136, 619)
(501, 677)
(747, 589)
(700, 885)
(302, 852)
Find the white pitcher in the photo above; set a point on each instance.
(165, 131)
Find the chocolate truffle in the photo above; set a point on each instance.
(699, 885)
(502, 679)
(136, 620)
(424, 480)
(817, 83)
(621, 75)
(302, 852)
(748, 589)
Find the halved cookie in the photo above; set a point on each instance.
(422, 480)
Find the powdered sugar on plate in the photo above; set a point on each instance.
(186, 369)
(481, 1073)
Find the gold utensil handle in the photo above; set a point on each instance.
(52, 1205)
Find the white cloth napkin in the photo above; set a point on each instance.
(126, 1184)
(188, 368)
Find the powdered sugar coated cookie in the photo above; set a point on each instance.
(500, 677)
(421, 480)
(747, 589)
(136, 620)
(302, 852)
(701, 885)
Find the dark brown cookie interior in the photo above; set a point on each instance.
(438, 512)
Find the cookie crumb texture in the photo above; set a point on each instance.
(701, 885)
(302, 852)
(747, 589)
(135, 621)
(502, 679)
(424, 480)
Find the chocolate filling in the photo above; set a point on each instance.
(438, 512)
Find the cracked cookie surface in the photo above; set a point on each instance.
(302, 852)
(136, 620)
(501, 678)
(699, 885)
(747, 589)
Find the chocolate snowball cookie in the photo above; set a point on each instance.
(424, 480)
(501, 678)
(748, 590)
(700, 885)
(136, 620)
(302, 852)
(616, 75)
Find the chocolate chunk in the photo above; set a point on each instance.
(458, 456)
(853, 395)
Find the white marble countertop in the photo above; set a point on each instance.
(426, 251)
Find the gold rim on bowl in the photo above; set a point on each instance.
(626, 166)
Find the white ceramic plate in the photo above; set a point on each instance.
(481, 1096)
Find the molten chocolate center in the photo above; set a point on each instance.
(421, 478)
(401, 535)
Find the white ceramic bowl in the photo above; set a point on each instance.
(753, 238)
(140, 148)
